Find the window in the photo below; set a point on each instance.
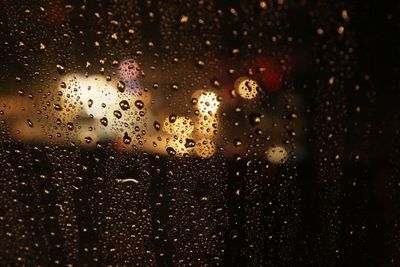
(199, 133)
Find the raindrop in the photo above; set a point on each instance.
(117, 114)
(60, 69)
(57, 107)
(157, 125)
(175, 87)
(237, 142)
(172, 118)
(200, 63)
(171, 151)
(70, 126)
(124, 105)
(139, 104)
(127, 140)
(104, 121)
(30, 123)
(189, 143)
(255, 119)
(121, 86)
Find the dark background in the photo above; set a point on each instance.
(333, 213)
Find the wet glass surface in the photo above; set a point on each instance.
(199, 133)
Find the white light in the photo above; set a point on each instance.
(207, 102)
(98, 96)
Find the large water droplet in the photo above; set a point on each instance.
(172, 118)
(124, 105)
(189, 143)
(171, 151)
(57, 107)
(121, 86)
(127, 139)
(104, 121)
(139, 104)
(117, 114)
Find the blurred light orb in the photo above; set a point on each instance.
(207, 126)
(277, 154)
(87, 96)
(98, 96)
(71, 88)
(134, 90)
(205, 148)
(207, 102)
(178, 145)
(181, 127)
(129, 70)
(132, 87)
(246, 88)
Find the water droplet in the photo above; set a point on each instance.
(255, 119)
(117, 114)
(60, 69)
(70, 126)
(88, 139)
(127, 139)
(104, 121)
(139, 104)
(172, 118)
(90, 103)
(121, 86)
(215, 83)
(189, 143)
(175, 87)
(171, 151)
(124, 105)
(29, 123)
(57, 107)
(200, 63)
(237, 142)
(157, 125)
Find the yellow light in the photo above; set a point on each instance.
(277, 154)
(178, 146)
(180, 126)
(246, 88)
(207, 126)
(205, 148)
